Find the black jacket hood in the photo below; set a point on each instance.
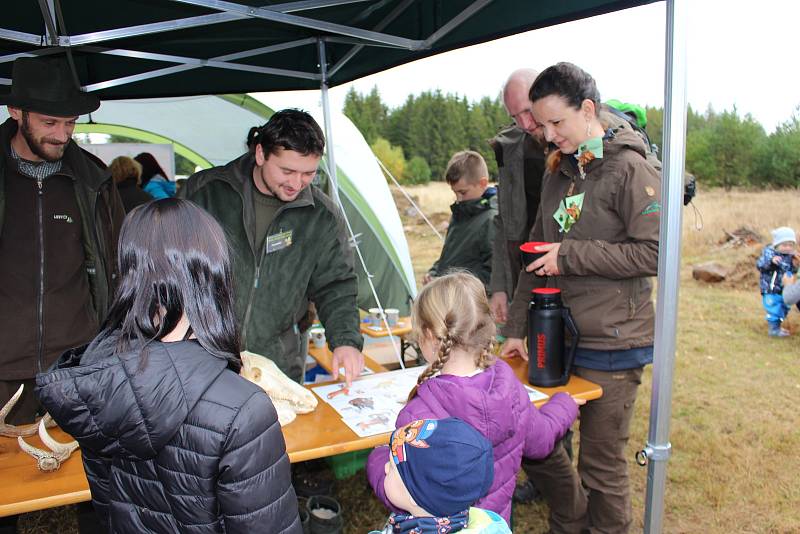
(129, 404)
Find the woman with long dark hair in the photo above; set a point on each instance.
(599, 212)
(172, 438)
(154, 179)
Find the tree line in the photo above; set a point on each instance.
(415, 140)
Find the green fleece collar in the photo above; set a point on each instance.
(239, 173)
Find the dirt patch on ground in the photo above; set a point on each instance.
(743, 273)
(401, 201)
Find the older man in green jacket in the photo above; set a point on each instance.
(289, 243)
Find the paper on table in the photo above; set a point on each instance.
(370, 425)
(536, 395)
(382, 394)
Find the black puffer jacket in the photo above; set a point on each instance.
(173, 441)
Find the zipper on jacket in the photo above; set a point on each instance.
(250, 299)
(256, 278)
(40, 299)
(102, 257)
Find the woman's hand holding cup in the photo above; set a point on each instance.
(541, 258)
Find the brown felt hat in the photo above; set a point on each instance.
(45, 85)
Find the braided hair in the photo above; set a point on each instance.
(454, 311)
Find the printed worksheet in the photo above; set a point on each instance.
(369, 425)
(371, 404)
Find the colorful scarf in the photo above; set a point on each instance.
(408, 524)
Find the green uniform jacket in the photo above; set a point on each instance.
(312, 262)
(608, 256)
(519, 158)
(470, 238)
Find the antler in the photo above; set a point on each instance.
(13, 431)
(48, 461)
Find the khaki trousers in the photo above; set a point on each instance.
(559, 484)
(602, 465)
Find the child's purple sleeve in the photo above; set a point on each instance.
(544, 427)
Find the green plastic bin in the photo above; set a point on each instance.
(348, 464)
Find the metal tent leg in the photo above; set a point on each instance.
(323, 67)
(657, 451)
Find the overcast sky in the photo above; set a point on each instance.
(740, 53)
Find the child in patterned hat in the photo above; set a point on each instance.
(436, 470)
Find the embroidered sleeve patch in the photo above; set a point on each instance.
(653, 208)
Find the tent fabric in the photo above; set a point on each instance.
(214, 129)
(211, 126)
(98, 58)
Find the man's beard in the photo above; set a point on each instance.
(40, 147)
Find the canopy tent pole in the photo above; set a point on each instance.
(658, 449)
(334, 188)
(326, 117)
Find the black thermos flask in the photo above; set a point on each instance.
(548, 366)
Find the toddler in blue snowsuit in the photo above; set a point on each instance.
(776, 261)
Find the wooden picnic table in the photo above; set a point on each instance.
(315, 435)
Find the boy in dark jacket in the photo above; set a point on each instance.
(470, 235)
(776, 261)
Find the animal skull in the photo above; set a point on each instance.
(289, 397)
(48, 461)
(14, 431)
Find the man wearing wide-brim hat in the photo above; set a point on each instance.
(60, 215)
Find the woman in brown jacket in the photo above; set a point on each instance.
(600, 210)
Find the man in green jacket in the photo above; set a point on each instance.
(470, 235)
(289, 243)
(519, 151)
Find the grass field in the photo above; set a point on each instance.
(735, 428)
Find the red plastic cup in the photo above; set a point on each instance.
(528, 252)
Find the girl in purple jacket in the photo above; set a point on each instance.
(455, 331)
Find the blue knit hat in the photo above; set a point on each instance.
(445, 464)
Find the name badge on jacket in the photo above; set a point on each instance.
(279, 241)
